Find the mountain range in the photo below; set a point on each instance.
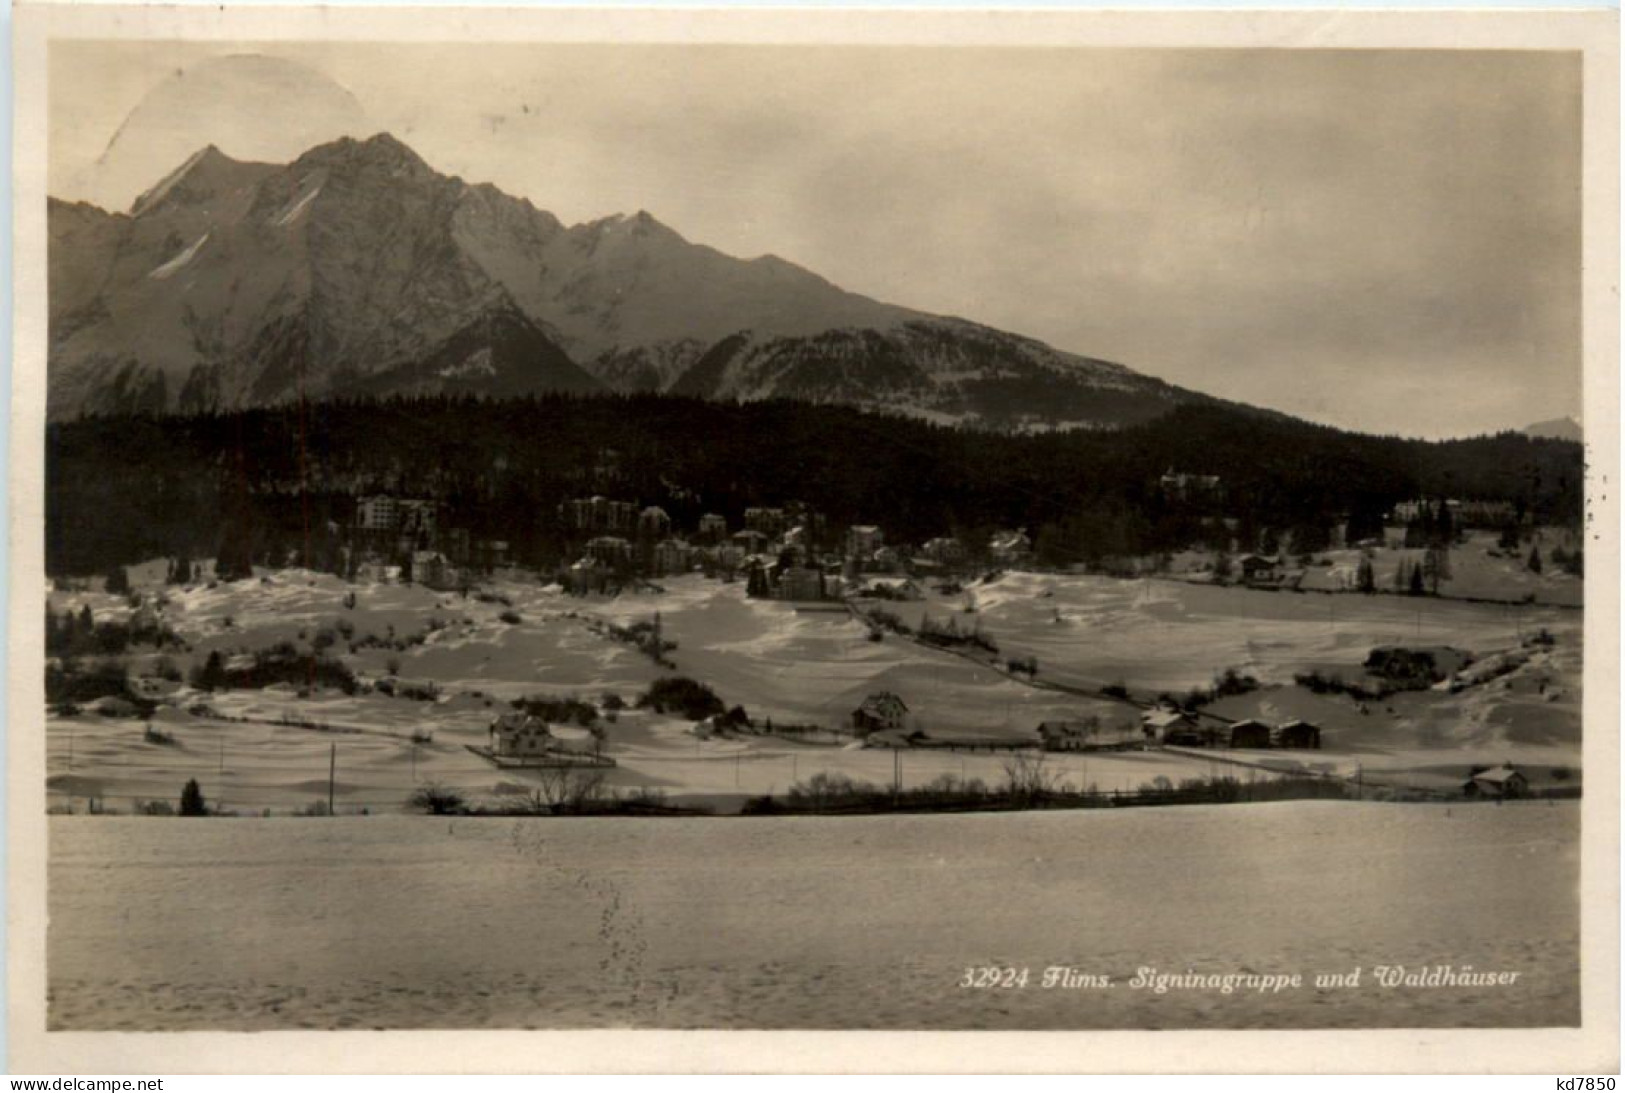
(357, 269)
(1560, 428)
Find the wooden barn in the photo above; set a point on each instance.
(1297, 734)
(1250, 733)
(1498, 782)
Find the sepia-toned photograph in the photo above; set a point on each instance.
(540, 533)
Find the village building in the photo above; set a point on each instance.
(862, 540)
(1502, 782)
(713, 528)
(800, 583)
(653, 523)
(1169, 726)
(1249, 733)
(433, 569)
(1066, 735)
(404, 524)
(1010, 547)
(1259, 570)
(1297, 734)
(1179, 486)
(672, 556)
(609, 550)
(750, 540)
(518, 735)
(770, 522)
(598, 514)
(587, 576)
(944, 550)
(880, 711)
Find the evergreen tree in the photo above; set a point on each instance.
(1365, 578)
(118, 581)
(1436, 567)
(756, 585)
(212, 676)
(1223, 567)
(1416, 587)
(1535, 565)
(1509, 537)
(192, 803)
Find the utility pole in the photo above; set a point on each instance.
(332, 765)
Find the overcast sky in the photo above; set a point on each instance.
(1384, 240)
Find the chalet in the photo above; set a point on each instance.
(1066, 735)
(1170, 727)
(1498, 782)
(520, 736)
(1249, 733)
(713, 527)
(1259, 570)
(862, 540)
(880, 711)
(944, 551)
(1297, 734)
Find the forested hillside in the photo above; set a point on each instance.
(124, 488)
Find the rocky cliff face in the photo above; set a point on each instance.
(358, 269)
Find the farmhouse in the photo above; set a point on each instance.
(1297, 734)
(519, 735)
(1067, 735)
(1498, 782)
(1171, 727)
(1249, 733)
(880, 711)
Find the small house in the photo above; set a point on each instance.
(1249, 733)
(1065, 735)
(1297, 734)
(1499, 782)
(862, 540)
(1171, 727)
(519, 735)
(1259, 570)
(880, 711)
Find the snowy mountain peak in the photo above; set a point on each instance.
(206, 172)
(359, 269)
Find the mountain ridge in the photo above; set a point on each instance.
(356, 267)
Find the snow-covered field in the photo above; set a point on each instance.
(793, 667)
(811, 922)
